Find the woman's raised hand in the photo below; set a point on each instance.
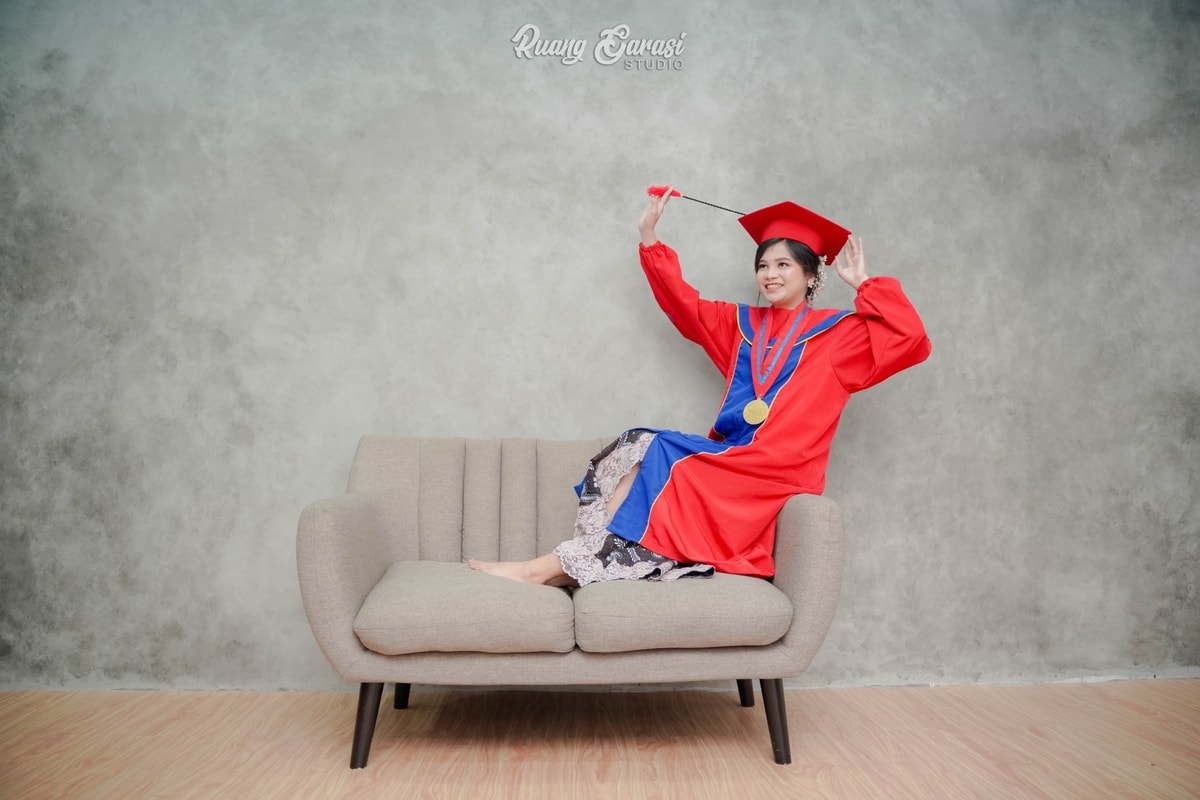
(650, 216)
(854, 269)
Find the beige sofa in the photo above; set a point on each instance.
(390, 599)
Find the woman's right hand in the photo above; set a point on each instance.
(650, 216)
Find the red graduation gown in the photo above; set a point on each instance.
(714, 499)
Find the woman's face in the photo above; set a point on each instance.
(780, 278)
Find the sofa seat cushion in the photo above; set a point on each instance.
(419, 606)
(721, 611)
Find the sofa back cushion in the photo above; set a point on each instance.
(450, 499)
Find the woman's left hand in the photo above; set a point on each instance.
(854, 269)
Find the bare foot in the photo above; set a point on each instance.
(514, 570)
(547, 569)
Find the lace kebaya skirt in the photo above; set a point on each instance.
(594, 554)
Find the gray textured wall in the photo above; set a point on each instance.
(233, 238)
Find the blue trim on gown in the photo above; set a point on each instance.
(670, 447)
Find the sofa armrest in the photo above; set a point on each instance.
(810, 552)
(341, 553)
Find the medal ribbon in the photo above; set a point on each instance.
(763, 379)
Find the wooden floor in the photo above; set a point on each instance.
(1120, 739)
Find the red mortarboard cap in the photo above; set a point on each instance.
(790, 221)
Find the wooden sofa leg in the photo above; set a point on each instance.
(369, 695)
(772, 692)
(746, 692)
(402, 690)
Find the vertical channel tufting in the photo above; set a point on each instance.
(518, 500)
(388, 467)
(440, 499)
(481, 500)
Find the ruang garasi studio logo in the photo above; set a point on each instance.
(614, 45)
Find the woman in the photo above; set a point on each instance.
(662, 504)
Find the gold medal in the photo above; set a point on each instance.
(755, 412)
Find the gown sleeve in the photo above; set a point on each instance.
(712, 324)
(882, 338)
